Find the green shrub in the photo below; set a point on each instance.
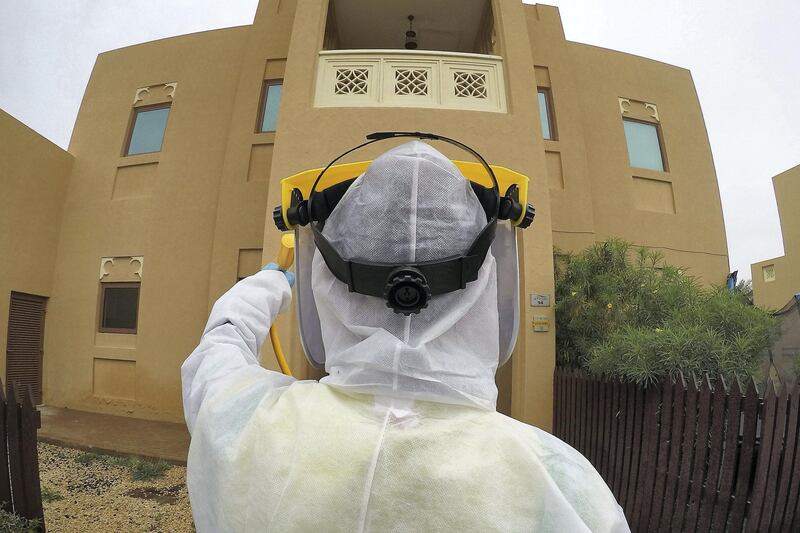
(11, 523)
(744, 290)
(120, 460)
(87, 458)
(622, 311)
(145, 470)
(140, 469)
(50, 494)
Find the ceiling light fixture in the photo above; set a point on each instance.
(411, 35)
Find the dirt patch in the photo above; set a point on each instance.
(159, 494)
(89, 493)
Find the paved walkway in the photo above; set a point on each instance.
(117, 435)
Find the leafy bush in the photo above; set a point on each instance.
(744, 290)
(11, 523)
(621, 310)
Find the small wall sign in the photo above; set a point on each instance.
(540, 300)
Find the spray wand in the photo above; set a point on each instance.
(284, 260)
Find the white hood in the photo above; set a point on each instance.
(411, 205)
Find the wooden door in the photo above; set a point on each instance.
(26, 341)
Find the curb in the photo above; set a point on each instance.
(108, 451)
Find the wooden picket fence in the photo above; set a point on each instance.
(688, 454)
(20, 491)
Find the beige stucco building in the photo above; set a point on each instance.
(164, 198)
(777, 280)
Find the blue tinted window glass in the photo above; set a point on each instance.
(148, 131)
(544, 116)
(273, 101)
(644, 148)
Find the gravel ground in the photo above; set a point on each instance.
(101, 495)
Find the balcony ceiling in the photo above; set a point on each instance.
(450, 25)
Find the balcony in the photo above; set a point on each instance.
(410, 78)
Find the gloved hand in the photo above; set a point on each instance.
(289, 274)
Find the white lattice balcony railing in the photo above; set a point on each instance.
(402, 78)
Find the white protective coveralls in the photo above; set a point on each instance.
(403, 434)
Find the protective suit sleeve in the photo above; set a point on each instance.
(238, 325)
(581, 485)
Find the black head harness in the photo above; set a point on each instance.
(408, 287)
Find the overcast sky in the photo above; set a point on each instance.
(744, 56)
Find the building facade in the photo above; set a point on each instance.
(34, 177)
(777, 280)
(164, 199)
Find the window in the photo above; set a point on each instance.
(644, 145)
(768, 273)
(270, 102)
(119, 307)
(147, 130)
(546, 114)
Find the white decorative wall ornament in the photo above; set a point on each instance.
(469, 84)
(622, 103)
(173, 86)
(654, 109)
(140, 260)
(411, 81)
(139, 92)
(769, 273)
(103, 262)
(351, 81)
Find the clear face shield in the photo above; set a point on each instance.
(406, 287)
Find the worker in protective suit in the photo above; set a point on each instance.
(402, 435)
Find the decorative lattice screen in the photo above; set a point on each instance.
(411, 82)
(352, 81)
(469, 84)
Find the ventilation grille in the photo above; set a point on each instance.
(25, 336)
